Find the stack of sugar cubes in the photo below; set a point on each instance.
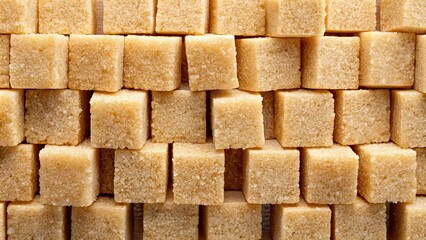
(178, 119)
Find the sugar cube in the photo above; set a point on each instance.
(266, 64)
(420, 77)
(11, 117)
(271, 174)
(403, 16)
(179, 116)
(119, 120)
(236, 119)
(69, 175)
(421, 170)
(4, 61)
(408, 219)
(18, 16)
(348, 16)
(198, 174)
(38, 61)
(212, 62)
(152, 62)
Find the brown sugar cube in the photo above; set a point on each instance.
(33, 220)
(421, 170)
(238, 17)
(403, 16)
(420, 77)
(387, 173)
(348, 16)
(69, 175)
(271, 174)
(152, 62)
(236, 119)
(387, 60)
(330, 62)
(179, 116)
(106, 171)
(11, 117)
(18, 16)
(362, 116)
(56, 117)
(96, 62)
(141, 176)
(408, 124)
(38, 61)
(300, 221)
(266, 64)
(212, 62)
(3, 206)
(408, 219)
(234, 219)
(233, 169)
(288, 18)
(18, 172)
(170, 220)
(4, 60)
(360, 220)
(128, 16)
(198, 174)
(182, 17)
(329, 175)
(268, 111)
(119, 120)
(304, 118)
(104, 219)
(67, 16)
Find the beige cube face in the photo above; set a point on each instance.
(179, 116)
(266, 64)
(96, 62)
(329, 175)
(407, 219)
(330, 62)
(420, 81)
(288, 18)
(408, 127)
(387, 173)
(106, 171)
(271, 174)
(11, 117)
(387, 60)
(3, 217)
(234, 219)
(18, 17)
(344, 16)
(300, 221)
(18, 172)
(236, 119)
(304, 118)
(212, 62)
(36, 220)
(421, 170)
(268, 111)
(170, 220)
(69, 175)
(182, 17)
(360, 220)
(403, 16)
(362, 116)
(141, 176)
(198, 174)
(56, 117)
(119, 120)
(104, 219)
(152, 62)
(233, 169)
(238, 17)
(128, 16)
(4, 61)
(67, 17)
(39, 61)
